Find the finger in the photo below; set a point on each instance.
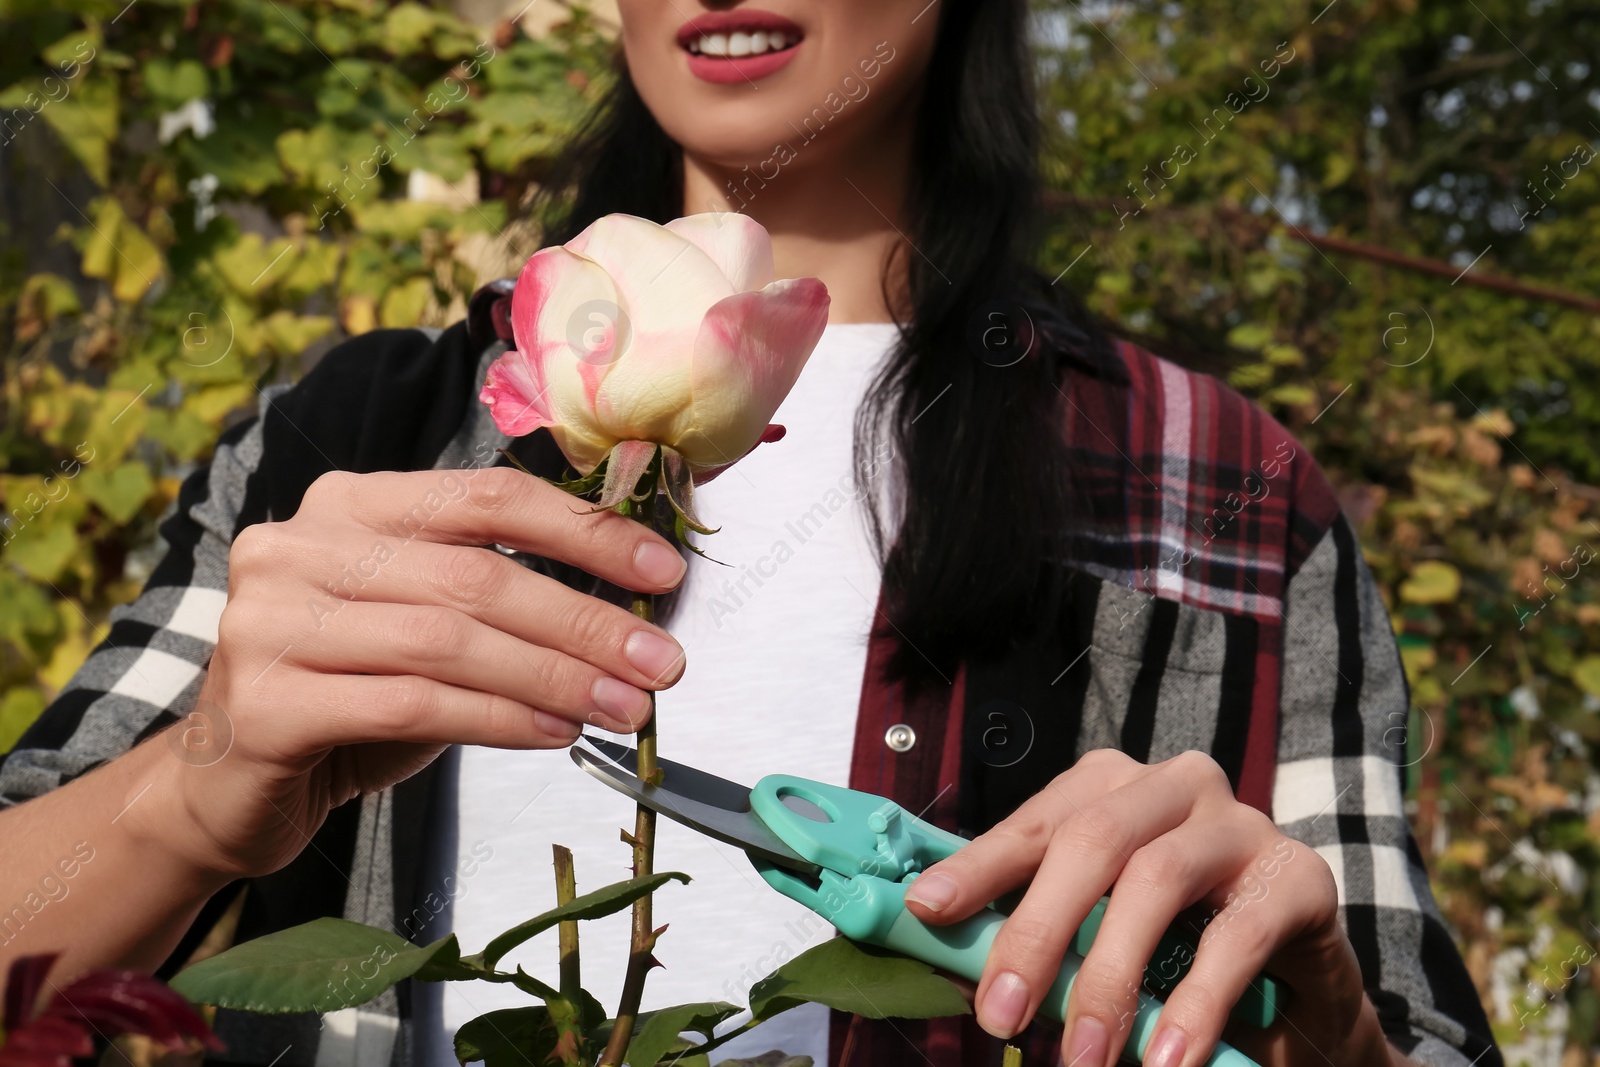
(1007, 855)
(353, 710)
(1161, 879)
(498, 505)
(452, 647)
(512, 599)
(1091, 847)
(1259, 915)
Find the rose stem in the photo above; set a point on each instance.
(566, 889)
(1013, 1057)
(640, 956)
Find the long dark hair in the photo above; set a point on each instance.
(968, 403)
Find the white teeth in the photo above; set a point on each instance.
(739, 44)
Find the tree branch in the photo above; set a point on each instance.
(1377, 254)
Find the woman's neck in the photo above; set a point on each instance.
(831, 216)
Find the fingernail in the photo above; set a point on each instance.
(556, 727)
(1004, 1004)
(658, 564)
(1088, 1045)
(1167, 1049)
(933, 891)
(620, 700)
(651, 654)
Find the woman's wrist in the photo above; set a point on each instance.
(1368, 1045)
(162, 816)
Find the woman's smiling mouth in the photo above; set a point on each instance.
(739, 46)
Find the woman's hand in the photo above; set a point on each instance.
(369, 631)
(1159, 839)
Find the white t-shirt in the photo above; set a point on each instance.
(776, 644)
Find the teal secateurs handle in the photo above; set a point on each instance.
(870, 849)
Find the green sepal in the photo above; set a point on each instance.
(515, 462)
(680, 530)
(626, 467)
(678, 482)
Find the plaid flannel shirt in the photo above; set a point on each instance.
(1217, 601)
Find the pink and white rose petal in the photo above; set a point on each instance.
(677, 335)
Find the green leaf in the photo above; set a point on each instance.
(323, 965)
(242, 153)
(440, 151)
(116, 421)
(29, 614)
(847, 977)
(173, 83)
(251, 265)
(318, 157)
(88, 123)
(1431, 582)
(316, 266)
(336, 35)
(1586, 673)
(1250, 336)
(45, 298)
(407, 27)
(401, 219)
(403, 305)
(52, 295)
(1250, 376)
(18, 711)
(1284, 355)
(660, 1030)
(605, 901)
(213, 403)
(42, 548)
(75, 48)
(118, 251)
(118, 491)
(511, 1037)
(289, 334)
(180, 432)
(1340, 167)
(1291, 394)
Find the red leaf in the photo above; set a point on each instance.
(110, 1003)
(24, 979)
(46, 1043)
(10, 1057)
(128, 1002)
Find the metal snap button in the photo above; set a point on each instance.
(900, 737)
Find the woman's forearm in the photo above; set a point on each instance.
(85, 877)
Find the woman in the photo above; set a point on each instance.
(1119, 623)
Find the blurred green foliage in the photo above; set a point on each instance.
(246, 164)
(1196, 152)
(1195, 148)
